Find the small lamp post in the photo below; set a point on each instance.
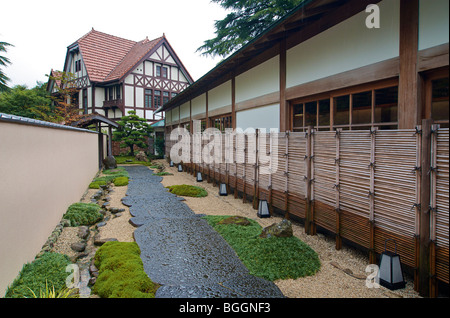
(199, 177)
(171, 163)
(223, 189)
(390, 272)
(263, 209)
(180, 168)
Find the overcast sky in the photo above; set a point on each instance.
(42, 30)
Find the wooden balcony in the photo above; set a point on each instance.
(116, 103)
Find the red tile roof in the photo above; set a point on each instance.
(108, 57)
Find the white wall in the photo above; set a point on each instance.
(346, 46)
(267, 117)
(44, 170)
(185, 110)
(433, 23)
(199, 105)
(258, 81)
(219, 96)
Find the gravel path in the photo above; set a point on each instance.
(180, 250)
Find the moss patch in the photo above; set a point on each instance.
(120, 181)
(50, 268)
(188, 190)
(270, 258)
(83, 214)
(121, 272)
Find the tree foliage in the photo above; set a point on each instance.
(66, 111)
(32, 103)
(133, 131)
(4, 61)
(247, 19)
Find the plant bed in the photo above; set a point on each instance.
(270, 258)
(37, 277)
(83, 214)
(187, 190)
(120, 160)
(121, 272)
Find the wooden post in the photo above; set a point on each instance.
(244, 196)
(311, 181)
(418, 191)
(337, 186)
(270, 175)
(424, 220)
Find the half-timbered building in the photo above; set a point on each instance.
(116, 75)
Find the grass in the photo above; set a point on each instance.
(121, 272)
(123, 160)
(36, 277)
(270, 258)
(163, 173)
(118, 176)
(83, 214)
(188, 190)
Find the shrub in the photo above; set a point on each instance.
(83, 214)
(187, 190)
(97, 184)
(120, 181)
(48, 270)
(121, 272)
(270, 258)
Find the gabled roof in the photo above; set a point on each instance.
(108, 57)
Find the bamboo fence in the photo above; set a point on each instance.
(363, 186)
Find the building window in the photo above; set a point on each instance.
(85, 101)
(157, 99)
(357, 110)
(221, 122)
(161, 71)
(77, 66)
(166, 97)
(148, 98)
(439, 101)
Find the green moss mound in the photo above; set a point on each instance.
(97, 184)
(121, 272)
(120, 181)
(110, 176)
(270, 258)
(188, 190)
(50, 268)
(83, 214)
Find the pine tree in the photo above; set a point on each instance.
(133, 131)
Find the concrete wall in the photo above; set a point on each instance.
(43, 170)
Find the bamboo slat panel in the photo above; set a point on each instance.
(442, 205)
(279, 178)
(297, 171)
(264, 161)
(354, 178)
(325, 167)
(405, 245)
(395, 181)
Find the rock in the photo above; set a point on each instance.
(141, 156)
(281, 229)
(238, 220)
(100, 224)
(99, 242)
(78, 246)
(110, 162)
(83, 232)
(93, 268)
(116, 210)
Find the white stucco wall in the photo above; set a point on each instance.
(267, 117)
(219, 96)
(258, 81)
(346, 46)
(433, 23)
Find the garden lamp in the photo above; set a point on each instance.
(180, 168)
(223, 189)
(199, 177)
(390, 273)
(171, 163)
(263, 209)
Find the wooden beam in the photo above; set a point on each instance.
(408, 103)
(284, 112)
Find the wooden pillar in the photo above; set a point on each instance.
(372, 255)
(337, 186)
(284, 111)
(308, 181)
(110, 141)
(409, 112)
(424, 217)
